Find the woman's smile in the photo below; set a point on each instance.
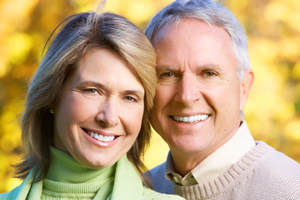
(104, 137)
(100, 111)
(109, 141)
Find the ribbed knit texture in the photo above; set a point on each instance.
(68, 179)
(262, 174)
(152, 195)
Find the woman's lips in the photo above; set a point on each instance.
(99, 136)
(101, 140)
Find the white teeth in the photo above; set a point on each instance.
(101, 137)
(191, 119)
(107, 138)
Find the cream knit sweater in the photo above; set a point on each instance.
(262, 174)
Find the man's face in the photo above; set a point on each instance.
(199, 96)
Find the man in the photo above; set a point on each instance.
(204, 78)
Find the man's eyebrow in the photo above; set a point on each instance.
(208, 67)
(198, 68)
(165, 68)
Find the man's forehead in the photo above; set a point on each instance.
(182, 26)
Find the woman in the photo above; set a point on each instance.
(86, 122)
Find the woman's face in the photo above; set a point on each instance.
(99, 114)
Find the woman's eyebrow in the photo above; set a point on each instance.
(102, 86)
(92, 83)
(137, 92)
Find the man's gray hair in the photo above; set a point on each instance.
(211, 13)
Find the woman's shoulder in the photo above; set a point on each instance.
(151, 194)
(20, 191)
(10, 195)
(3, 195)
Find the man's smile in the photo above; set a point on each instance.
(190, 119)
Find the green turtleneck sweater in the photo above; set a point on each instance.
(67, 179)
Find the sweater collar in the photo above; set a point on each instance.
(66, 169)
(217, 162)
(239, 173)
(127, 184)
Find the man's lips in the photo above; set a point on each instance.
(100, 137)
(190, 119)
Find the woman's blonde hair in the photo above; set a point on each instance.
(83, 32)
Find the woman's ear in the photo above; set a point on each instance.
(246, 85)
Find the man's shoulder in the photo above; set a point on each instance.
(159, 181)
(275, 160)
(158, 171)
(153, 195)
(279, 163)
(276, 172)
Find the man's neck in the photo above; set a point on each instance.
(184, 162)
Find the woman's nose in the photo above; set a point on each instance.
(108, 115)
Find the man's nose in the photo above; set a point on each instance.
(108, 114)
(188, 90)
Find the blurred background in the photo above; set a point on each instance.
(273, 28)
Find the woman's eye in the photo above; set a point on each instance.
(129, 98)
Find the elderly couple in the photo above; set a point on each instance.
(90, 105)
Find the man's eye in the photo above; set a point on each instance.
(166, 74)
(91, 90)
(209, 74)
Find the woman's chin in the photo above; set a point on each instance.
(96, 161)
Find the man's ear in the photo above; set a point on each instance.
(246, 87)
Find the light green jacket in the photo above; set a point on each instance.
(127, 186)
